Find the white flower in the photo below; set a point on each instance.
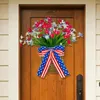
(27, 33)
(73, 34)
(60, 43)
(34, 34)
(26, 38)
(37, 33)
(37, 36)
(64, 25)
(24, 42)
(51, 28)
(62, 22)
(21, 37)
(74, 39)
(46, 19)
(20, 41)
(54, 24)
(73, 29)
(49, 32)
(59, 26)
(40, 25)
(46, 36)
(63, 33)
(29, 42)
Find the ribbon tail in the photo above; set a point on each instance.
(46, 66)
(61, 64)
(43, 64)
(57, 66)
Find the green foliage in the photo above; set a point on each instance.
(51, 42)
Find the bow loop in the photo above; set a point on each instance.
(58, 49)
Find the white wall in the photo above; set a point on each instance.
(98, 49)
(4, 50)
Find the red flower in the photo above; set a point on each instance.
(21, 44)
(66, 30)
(29, 30)
(67, 22)
(29, 38)
(46, 31)
(59, 20)
(56, 32)
(69, 26)
(48, 25)
(68, 41)
(66, 36)
(37, 24)
(41, 21)
(44, 25)
(49, 19)
(52, 35)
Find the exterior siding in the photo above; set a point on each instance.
(4, 50)
(3, 42)
(98, 50)
(3, 27)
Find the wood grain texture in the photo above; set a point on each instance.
(52, 87)
(79, 46)
(25, 67)
(69, 62)
(35, 81)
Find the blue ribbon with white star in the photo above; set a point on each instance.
(52, 55)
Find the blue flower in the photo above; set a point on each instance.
(54, 24)
(80, 34)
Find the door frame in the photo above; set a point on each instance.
(14, 89)
(51, 7)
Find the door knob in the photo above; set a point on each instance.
(79, 87)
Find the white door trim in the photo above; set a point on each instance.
(14, 44)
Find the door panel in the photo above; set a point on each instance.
(52, 87)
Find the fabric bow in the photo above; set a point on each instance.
(52, 55)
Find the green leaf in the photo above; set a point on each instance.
(59, 40)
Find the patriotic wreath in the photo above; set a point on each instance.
(51, 37)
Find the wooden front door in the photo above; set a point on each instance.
(52, 87)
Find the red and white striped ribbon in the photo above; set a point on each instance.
(60, 52)
(53, 59)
